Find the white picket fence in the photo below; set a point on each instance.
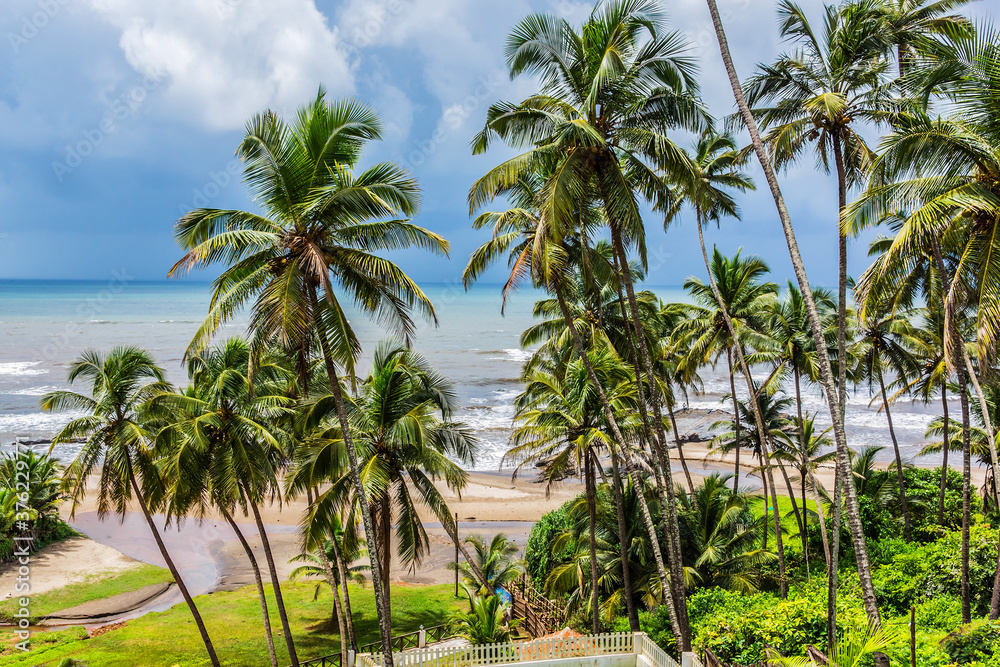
(619, 643)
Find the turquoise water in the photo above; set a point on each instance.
(44, 325)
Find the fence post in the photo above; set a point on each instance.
(689, 659)
(422, 638)
(350, 658)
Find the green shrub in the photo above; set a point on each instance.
(538, 557)
(976, 642)
(654, 623)
(941, 613)
(927, 571)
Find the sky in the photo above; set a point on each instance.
(118, 116)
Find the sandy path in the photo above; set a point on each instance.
(71, 561)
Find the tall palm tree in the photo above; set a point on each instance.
(913, 23)
(743, 299)
(220, 448)
(559, 421)
(826, 370)
(117, 440)
(321, 226)
(538, 253)
(610, 94)
(402, 421)
(884, 344)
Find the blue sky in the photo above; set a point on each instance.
(116, 116)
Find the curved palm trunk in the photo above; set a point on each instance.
(629, 468)
(736, 411)
(830, 390)
(944, 462)
(260, 586)
(907, 533)
(385, 622)
(173, 569)
(276, 584)
(633, 614)
(337, 609)
(661, 456)
(592, 510)
(758, 418)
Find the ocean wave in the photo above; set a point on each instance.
(22, 368)
(36, 423)
(31, 391)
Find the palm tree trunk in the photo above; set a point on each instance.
(661, 455)
(173, 569)
(767, 502)
(907, 533)
(947, 446)
(984, 407)
(807, 471)
(791, 497)
(385, 547)
(966, 494)
(633, 614)
(348, 617)
(385, 622)
(260, 586)
(826, 374)
(337, 610)
(805, 521)
(755, 405)
(276, 584)
(680, 447)
(592, 510)
(736, 416)
(629, 468)
(833, 573)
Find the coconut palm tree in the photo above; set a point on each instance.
(40, 500)
(560, 423)
(321, 226)
(497, 560)
(914, 23)
(538, 253)
(220, 449)
(722, 536)
(610, 94)
(117, 442)
(401, 418)
(884, 344)
(826, 370)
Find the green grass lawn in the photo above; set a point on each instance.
(94, 588)
(234, 623)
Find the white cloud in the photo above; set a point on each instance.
(223, 60)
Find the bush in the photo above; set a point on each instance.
(922, 488)
(538, 557)
(941, 613)
(654, 623)
(974, 643)
(923, 572)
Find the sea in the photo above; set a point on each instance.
(45, 325)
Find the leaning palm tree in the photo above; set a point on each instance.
(883, 345)
(402, 421)
(117, 439)
(610, 94)
(219, 448)
(321, 226)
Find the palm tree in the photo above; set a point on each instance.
(537, 253)
(883, 344)
(855, 649)
(321, 226)
(116, 439)
(401, 418)
(804, 450)
(40, 499)
(220, 448)
(743, 299)
(723, 536)
(826, 371)
(496, 560)
(914, 23)
(559, 422)
(610, 94)
(485, 622)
